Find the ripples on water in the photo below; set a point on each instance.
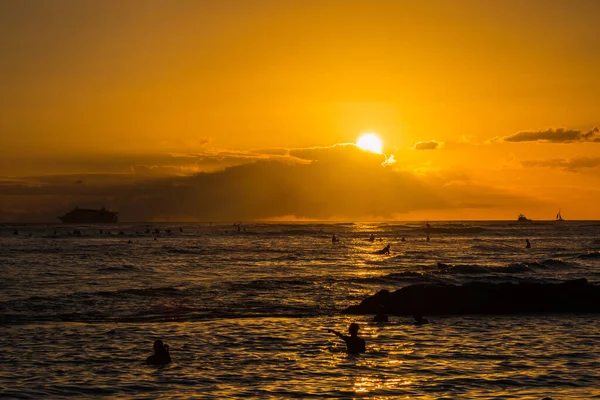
(246, 314)
(471, 357)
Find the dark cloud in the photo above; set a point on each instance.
(278, 151)
(340, 153)
(340, 182)
(429, 145)
(560, 135)
(569, 165)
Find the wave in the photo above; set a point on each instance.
(263, 284)
(398, 277)
(173, 250)
(590, 255)
(514, 268)
(492, 247)
(121, 268)
(85, 296)
(161, 304)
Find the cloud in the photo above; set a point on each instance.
(569, 165)
(429, 145)
(560, 135)
(338, 182)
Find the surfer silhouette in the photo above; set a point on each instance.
(385, 250)
(354, 343)
(161, 354)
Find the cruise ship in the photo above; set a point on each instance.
(89, 216)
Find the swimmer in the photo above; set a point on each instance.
(403, 239)
(161, 354)
(528, 244)
(372, 238)
(428, 238)
(385, 250)
(380, 316)
(354, 343)
(419, 320)
(334, 239)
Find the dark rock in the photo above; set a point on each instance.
(485, 298)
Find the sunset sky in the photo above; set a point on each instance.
(247, 110)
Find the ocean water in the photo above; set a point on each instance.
(246, 312)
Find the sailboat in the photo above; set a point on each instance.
(558, 216)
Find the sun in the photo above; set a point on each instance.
(370, 142)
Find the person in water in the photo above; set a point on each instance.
(161, 354)
(385, 250)
(403, 239)
(528, 244)
(372, 238)
(428, 238)
(334, 239)
(419, 320)
(354, 343)
(380, 316)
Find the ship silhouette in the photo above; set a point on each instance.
(523, 218)
(89, 216)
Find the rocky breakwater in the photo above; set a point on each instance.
(485, 298)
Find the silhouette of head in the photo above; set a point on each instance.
(160, 347)
(353, 329)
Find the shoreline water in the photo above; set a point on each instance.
(296, 358)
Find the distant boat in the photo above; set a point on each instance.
(89, 216)
(558, 216)
(523, 218)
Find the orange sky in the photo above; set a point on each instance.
(120, 94)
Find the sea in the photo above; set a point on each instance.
(245, 310)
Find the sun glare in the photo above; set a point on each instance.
(370, 142)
